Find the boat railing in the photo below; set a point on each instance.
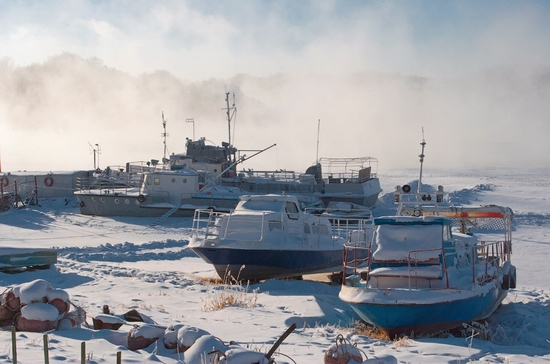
(484, 258)
(352, 229)
(357, 259)
(276, 175)
(245, 227)
(349, 170)
(207, 220)
(490, 254)
(418, 269)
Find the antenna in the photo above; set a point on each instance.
(318, 129)
(229, 115)
(97, 151)
(191, 120)
(164, 135)
(423, 144)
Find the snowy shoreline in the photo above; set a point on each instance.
(126, 263)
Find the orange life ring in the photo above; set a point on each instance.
(5, 181)
(48, 181)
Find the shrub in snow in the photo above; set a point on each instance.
(343, 352)
(37, 317)
(187, 335)
(140, 337)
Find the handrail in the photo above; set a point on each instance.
(486, 254)
(443, 260)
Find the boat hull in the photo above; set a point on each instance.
(129, 205)
(259, 264)
(420, 316)
(15, 258)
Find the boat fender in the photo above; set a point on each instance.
(48, 181)
(82, 204)
(141, 198)
(5, 181)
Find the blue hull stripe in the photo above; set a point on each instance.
(404, 318)
(265, 264)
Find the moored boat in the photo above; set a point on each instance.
(270, 236)
(26, 258)
(425, 271)
(160, 193)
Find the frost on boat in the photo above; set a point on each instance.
(270, 236)
(424, 271)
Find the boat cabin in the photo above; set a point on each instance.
(405, 247)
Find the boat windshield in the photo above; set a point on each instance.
(275, 206)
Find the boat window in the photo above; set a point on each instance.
(320, 229)
(307, 229)
(291, 208)
(292, 211)
(173, 180)
(185, 180)
(256, 205)
(446, 233)
(157, 181)
(149, 180)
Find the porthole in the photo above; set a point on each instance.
(173, 180)
(93, 198)
(102, 199)
(116, 201)
(185, 180)
(126, 201)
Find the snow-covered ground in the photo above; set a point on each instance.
(129, 263)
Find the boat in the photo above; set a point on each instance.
(425, 271)
(127, 190)
(160, 193)
(16, 259)
(337, 210)
(271, 236)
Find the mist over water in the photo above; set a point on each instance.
(51, 113)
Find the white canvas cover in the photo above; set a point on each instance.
(394, 242)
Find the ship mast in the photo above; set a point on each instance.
(230, 115)
(423, 144)
(164, 135)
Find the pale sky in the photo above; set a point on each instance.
(474, 74)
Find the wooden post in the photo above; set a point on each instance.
(83, 352)
(118, 357)
(13, 347)
(46, 356)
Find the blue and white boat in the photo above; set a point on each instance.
(270, 236)
(421, 275)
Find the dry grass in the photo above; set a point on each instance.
(362, 328)
(228, 292)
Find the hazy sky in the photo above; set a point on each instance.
(474, 74)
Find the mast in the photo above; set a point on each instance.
(423, 144)
(318, 129)
(230, 116)
(164, 135)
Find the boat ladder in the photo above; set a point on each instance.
(166, 215)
